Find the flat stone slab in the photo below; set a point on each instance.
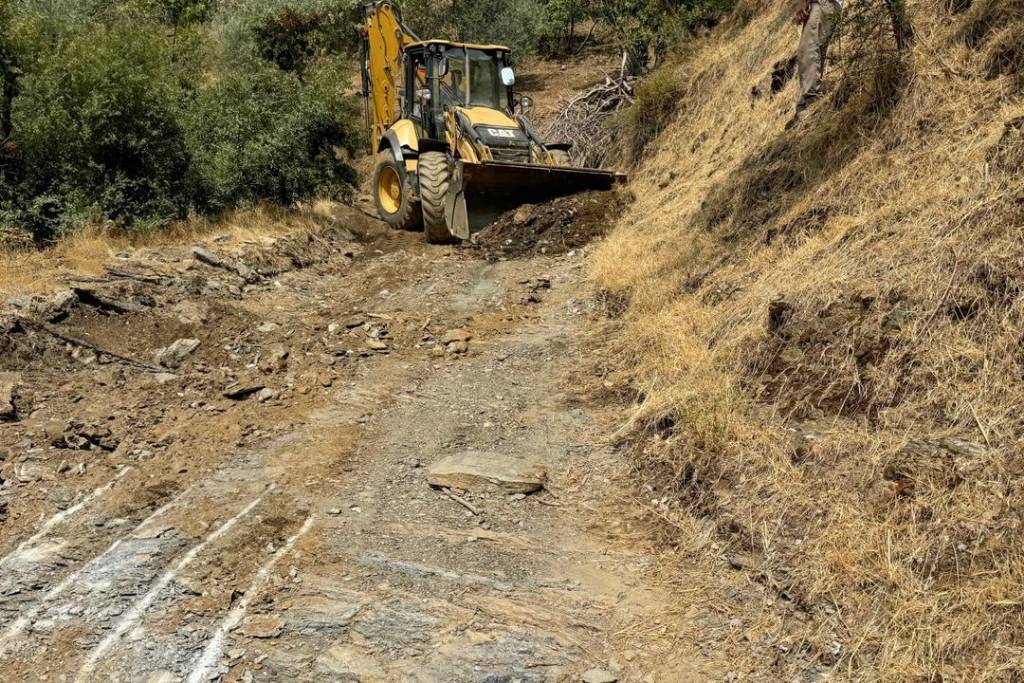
(486, 471)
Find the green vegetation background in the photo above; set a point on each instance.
(141, 112)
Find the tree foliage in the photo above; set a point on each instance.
(143, 111)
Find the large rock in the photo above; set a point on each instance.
(8, 382)
(484, 471)
(175, 354)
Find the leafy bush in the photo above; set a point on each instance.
(95, 124)
(258, 134)
(115, 117)
(293, 38)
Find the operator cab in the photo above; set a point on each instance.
(474, 80)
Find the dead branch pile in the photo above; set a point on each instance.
(584, 119)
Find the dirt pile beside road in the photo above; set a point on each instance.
(552, 228)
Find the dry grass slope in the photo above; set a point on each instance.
(823, 331)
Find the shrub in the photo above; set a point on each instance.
(256, 133)
(294, 38)
(95, 124)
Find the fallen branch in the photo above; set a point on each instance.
(583, 121)
(461, 501)
(127, 360)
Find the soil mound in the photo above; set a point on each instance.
(553, 228)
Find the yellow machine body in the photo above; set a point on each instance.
(452, 139)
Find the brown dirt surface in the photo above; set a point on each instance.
(260, 511)
(556, 227)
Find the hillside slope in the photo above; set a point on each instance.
(822, 331)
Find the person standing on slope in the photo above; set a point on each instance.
(819, 19)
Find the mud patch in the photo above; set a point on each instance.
(553, 228)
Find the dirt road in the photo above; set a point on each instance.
(262, 512)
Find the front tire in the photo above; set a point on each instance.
(393, 194)
(435, 179)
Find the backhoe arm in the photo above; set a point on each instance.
(384, 36)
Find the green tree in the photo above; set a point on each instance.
(9, 72)
(97, 129)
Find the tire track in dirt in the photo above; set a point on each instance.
(207, 659)
(26, 620)
(138, 610)
(59, 518)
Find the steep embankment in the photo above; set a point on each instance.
(821, 329)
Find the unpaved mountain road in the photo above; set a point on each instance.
(262, 512)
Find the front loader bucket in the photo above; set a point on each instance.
(482, 192)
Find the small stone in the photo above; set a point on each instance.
(175, 354)
(8, 382)
(523, 215)
(191, 313)
(262, 626)
(267, 327)
(376, 345)
(54, 432)
(266, 394)
(599, 676)
(437, 350)
(333, 328)
(458, 348)
(28, 472)
(164, 377)
(275, 359)
(456, 335)
(240, 392)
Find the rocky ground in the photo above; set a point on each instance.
(345, 456)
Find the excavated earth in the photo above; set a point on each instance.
(256, 507)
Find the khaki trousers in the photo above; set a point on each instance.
(813, 47)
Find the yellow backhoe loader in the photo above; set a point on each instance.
(454, 147)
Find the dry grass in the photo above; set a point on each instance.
(823, 329)
(28, 270)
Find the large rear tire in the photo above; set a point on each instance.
(435, 179)
(393, 194)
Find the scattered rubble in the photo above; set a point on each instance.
(209, 258)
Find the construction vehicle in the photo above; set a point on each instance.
(454, 147)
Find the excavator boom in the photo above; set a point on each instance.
(384, 36)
